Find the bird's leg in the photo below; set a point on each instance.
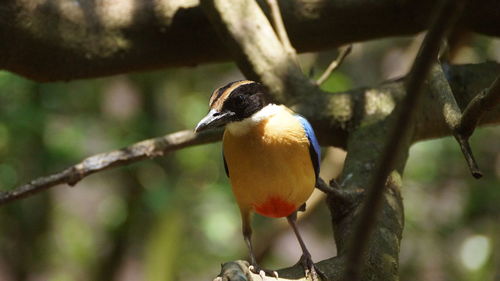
(247, 235)
(302, 208)
(305, 259)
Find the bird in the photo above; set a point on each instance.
(271, 156)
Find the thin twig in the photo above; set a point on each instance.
(471, 116)
(452, 115)
(469, 156)
(445, 17)
(334, 64)
(279, 25)
(146, 149)
(485, 101)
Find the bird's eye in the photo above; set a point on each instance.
(216, 114)
(234, 103)
(238, 100)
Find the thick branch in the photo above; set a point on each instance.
(143, 150)
(398, 140)
(64, 40)
(257, 49)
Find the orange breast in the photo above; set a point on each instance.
(269, 167)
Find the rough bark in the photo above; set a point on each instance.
(49, 40)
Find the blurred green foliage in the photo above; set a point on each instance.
(175, 217)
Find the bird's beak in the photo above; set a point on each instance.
(214, 119)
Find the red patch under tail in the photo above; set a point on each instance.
(275, 207)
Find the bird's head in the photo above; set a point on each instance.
(234, 102)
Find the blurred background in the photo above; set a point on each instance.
(174, 217)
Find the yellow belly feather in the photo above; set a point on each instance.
(270, 163)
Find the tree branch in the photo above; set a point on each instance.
(466, 81)
(485, 101)
(61, 40)
(330, 123)
(113, 44)
(452, 115)
(397, 143)
(280, 26)
(146, 149)
(256, 49)
(261, 57)
(334, 64)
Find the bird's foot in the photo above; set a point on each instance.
(263, 272)
(340, 195)
(310, 269)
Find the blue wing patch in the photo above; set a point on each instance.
(314, 148)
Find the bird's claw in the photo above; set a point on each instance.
(263, 272)
(311, 270)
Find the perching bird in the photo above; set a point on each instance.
(271, 156)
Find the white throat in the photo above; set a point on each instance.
(242, 127)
